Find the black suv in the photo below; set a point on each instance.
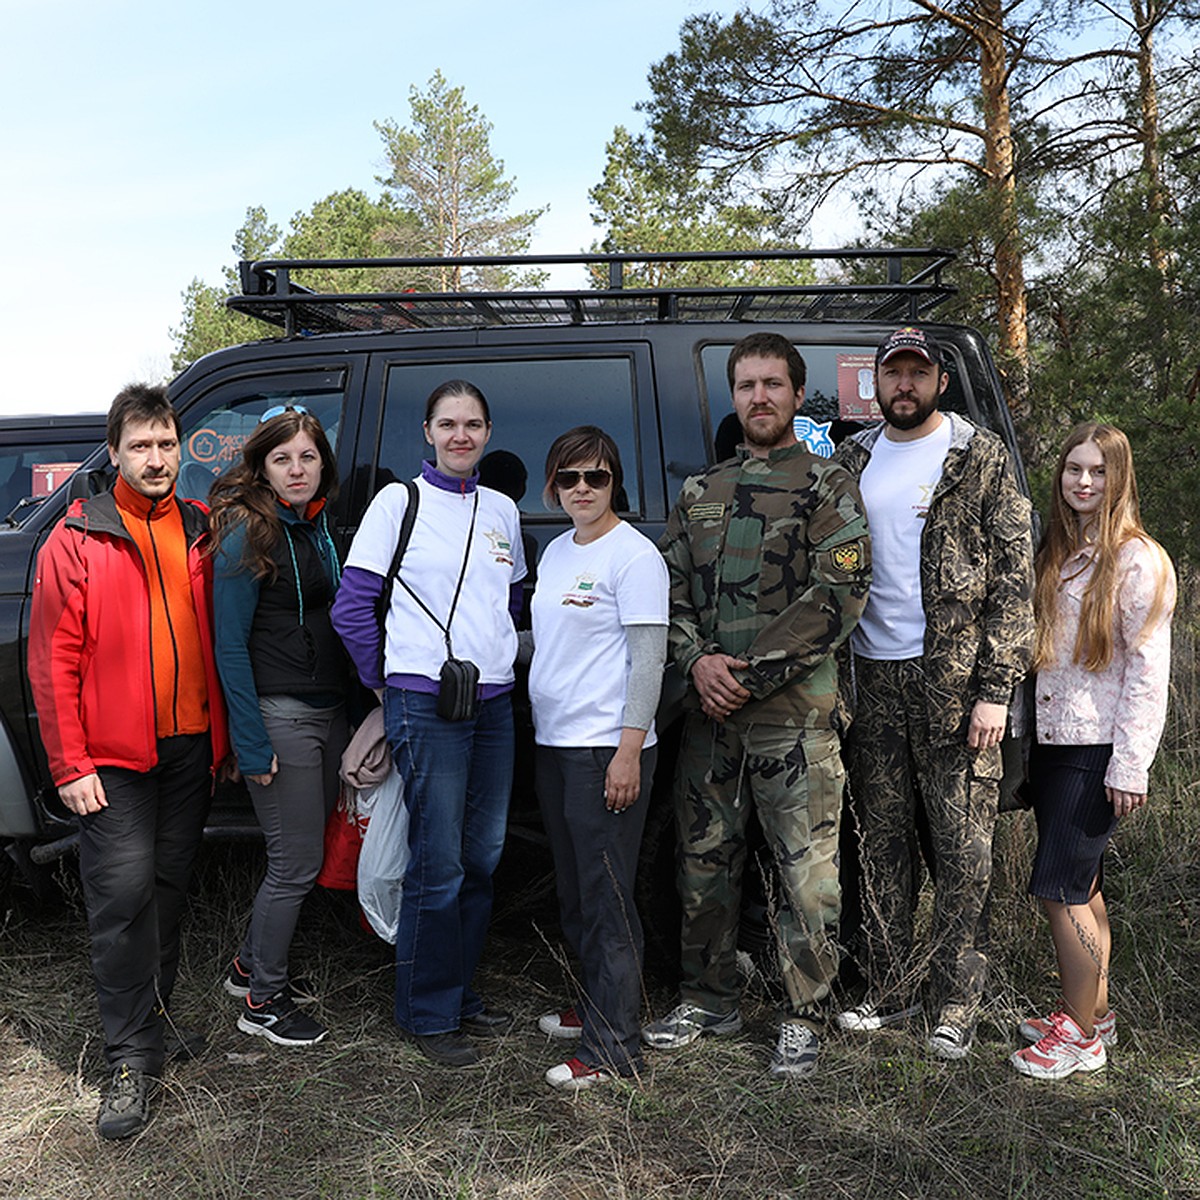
(648, 365)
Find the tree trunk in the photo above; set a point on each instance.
(1000, 163)
(1146, 15)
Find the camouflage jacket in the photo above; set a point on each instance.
(769, 561)
(976, 576)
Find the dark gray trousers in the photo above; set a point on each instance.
(292, 810)
(135, 863)
(595, 863)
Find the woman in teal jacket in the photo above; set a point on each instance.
(283, 672)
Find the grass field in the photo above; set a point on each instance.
(363, 1116)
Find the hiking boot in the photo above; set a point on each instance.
(1062, 1052)
(180, 1044)
(281, 1022)
(565, 1024)
(575, 1076)
(796, 1051)
(445, 1049)
(951, 1041)
(125, 1109)
(237, 983)
(687, 1022)
(871, 1015)
(1105, 1028)
(488, 1022)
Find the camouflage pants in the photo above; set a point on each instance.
(893, 761)
(793, 778)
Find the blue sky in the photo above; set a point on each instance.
(136, 134)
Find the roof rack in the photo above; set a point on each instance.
(270, 293)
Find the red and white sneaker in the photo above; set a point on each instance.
(1036, 1028)
(565, 1024)
(1062, 1052)
(574, 1076)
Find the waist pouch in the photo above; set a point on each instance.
(458, 690)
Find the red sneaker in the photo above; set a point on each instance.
(565, 1024)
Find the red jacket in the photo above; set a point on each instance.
(89, 642)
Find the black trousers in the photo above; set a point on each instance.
(595, 865)
(135, 861)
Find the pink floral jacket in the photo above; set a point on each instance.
(1126, 703)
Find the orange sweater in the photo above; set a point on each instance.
(180, 693)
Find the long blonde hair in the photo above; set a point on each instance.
(1117, 521)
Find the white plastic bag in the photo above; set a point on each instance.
(384, 857)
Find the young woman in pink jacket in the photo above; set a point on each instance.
(1104, 597)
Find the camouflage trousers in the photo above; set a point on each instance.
(893, 764)
(793, 779)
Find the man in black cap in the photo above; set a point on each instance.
(946, 636)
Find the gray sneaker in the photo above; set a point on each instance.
(871, 1015)
(951, 1041)
(125, 1109)
(687, 1022)
(796, 1051)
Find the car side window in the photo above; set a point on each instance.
(839, 392)
(213, 433)
(532, 401)
(31, 472)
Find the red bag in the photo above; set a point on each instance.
(343, 842)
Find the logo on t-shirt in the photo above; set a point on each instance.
(921, 508)
(582, 595)
(500, 548)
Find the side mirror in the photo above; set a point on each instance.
(83, 484)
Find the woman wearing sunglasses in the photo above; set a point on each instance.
(284, 675)
(600, 640)
(443, 662)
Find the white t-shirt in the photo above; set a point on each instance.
(482, 630)
(896, 487)
(585, 596)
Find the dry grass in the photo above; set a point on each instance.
(364, 1117)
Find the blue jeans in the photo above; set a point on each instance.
(457, 780)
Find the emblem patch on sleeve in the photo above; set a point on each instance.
(847, 558)
(706, 512)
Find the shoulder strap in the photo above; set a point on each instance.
(385, 599)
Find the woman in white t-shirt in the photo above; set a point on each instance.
(600, 640)
(458, 585)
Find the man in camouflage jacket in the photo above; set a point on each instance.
(946, 637)
(769, 562)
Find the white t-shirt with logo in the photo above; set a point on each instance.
(896, 487)
(482, 630)
(585, 597)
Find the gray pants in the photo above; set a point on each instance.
(292, 810)
(595, 864)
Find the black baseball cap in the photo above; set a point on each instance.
(909, 340)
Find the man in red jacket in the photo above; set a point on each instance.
(131, 715)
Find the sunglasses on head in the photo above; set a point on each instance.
(597, 478)
(277, 410)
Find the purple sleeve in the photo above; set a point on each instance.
(516, 600)
(353, 616)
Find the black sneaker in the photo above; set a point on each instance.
(125, 1109)
(488, 1022)
(445, 1049)
(237, 983)
(281, 1022)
